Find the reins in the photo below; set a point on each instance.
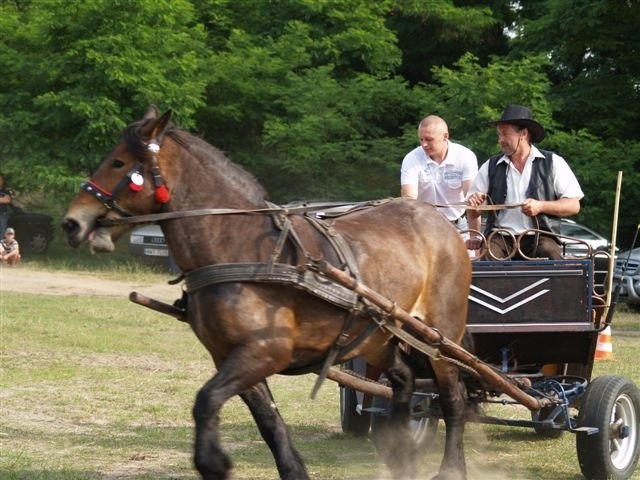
(286, 210)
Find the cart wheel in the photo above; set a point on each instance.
(423, 428)
(611, 404)
(352, 422)
(546, 432)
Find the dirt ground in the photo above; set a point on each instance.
(20, 279)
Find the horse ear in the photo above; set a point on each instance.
(152, 113)
(161, 125)
(156, 127)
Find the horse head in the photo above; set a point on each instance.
(128, 182)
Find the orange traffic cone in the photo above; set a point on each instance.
(604, 347)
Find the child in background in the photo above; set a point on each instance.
(9, 248)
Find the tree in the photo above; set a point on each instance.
(75, 72)
(595, 64)
(470, 96)
(437, 33)
(594, 71)
(303, 94)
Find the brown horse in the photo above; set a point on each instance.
(403, 249)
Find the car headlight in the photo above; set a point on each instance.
(137, 239)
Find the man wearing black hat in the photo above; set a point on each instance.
(539, 182)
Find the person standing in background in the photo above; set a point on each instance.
(5, 200)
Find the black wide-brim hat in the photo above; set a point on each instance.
(522, 117)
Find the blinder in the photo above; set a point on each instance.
(133, 178)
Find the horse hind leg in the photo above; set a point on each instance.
(275, 432)
(393, 438)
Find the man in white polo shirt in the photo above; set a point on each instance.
(440, 172)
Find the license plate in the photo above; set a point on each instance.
(156, 252)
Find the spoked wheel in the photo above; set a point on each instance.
(423, 427)
(611, 404)
(352, 420)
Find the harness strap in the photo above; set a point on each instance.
(261, 272)
(348, 260)
(339, 244)
(277, 251)
(271, 208)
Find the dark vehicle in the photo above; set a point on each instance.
(628, 263)
(34, 231)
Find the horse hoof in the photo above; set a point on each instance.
(450, 476)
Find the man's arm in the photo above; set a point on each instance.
(409, 191)
(563, 207)
(5, 198)
(473, 216)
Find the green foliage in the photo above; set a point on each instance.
(595, 63)
(470, 96)
(596, 163)
(334, 137)
(319, 98)
(75, 72)
(439, 32)
(309, 85)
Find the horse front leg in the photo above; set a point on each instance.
(233, 378)
(209, 458)
(275, 432)
(453, 466)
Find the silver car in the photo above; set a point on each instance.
(148, 243)
(569, 228)
(628, 262)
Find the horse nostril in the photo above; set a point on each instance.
(69, 226)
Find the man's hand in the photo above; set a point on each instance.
(474, 243)
(532, 207)
(476, 199)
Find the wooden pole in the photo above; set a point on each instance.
(614, 238)
(158, 306)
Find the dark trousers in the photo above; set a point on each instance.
(533, 246)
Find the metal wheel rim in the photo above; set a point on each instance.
(421, 426)
(38, 242)
(622, 450)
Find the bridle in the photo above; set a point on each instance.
(132, 179)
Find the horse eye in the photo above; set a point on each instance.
(117, 163)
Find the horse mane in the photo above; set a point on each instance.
(233, 173)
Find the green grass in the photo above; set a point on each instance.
(99, 388)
